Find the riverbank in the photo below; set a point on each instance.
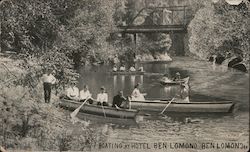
(27, 122)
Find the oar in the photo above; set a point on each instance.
(75, 112)
(103, 110)
(167, 105)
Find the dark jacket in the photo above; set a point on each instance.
(117, 100)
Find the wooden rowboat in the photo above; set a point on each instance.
(98, 110)
(128, 73)
(181, 106)
(171, 82)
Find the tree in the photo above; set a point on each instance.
(224, 30)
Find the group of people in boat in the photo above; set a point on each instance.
(73, 93)
(119, 101)
(123, 68)
(166, 78)
(184, 86)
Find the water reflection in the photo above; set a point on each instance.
(205, 82)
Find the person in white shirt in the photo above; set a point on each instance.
(85, 94)
(48, 80)
(102, 97)
(140, 69)
(132, 69)
(122, 68)
(115, 68)
(72, 92)
(137, 95)
(165, 78)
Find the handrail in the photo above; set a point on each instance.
(183, 8)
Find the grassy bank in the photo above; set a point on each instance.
(27, 123)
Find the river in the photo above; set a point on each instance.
(166, 133)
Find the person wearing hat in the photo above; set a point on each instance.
(72, 92)
(137, 95)
(177, 76)
(102, 97)
(48, 80)
(118, 99)
(184, 92)
(84, 94)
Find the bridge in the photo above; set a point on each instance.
(172, 19)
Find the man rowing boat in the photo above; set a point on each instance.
(177, 77)
(85, 94)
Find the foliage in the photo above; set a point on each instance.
(224, 30)
(27, 122)
(87, 33)
(28, 26)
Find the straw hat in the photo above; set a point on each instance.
(102, 88)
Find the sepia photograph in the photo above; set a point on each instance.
(124, 75)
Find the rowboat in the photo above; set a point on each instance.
(99, 110)
(172, 82)
(180, 106)
(128, 73)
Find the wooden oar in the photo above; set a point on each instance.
(167, 105)
(103, 111)
(75, 112)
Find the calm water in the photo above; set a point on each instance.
(207, 81)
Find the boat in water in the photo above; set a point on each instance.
(104, 111)
(181, 106)
(174, 82)
(128, 73)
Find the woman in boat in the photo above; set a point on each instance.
(122, 68)
(137, 95)
(177, 77)
(84, 94)
(132, 68)
(72, 92)
(118, 99)
(102, 97)
(115, 68)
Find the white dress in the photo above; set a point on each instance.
(137, 96)
(72, 93)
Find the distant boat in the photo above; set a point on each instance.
(128, 73)
(172, 82)
(99, 110)
(180, 106)
(154, 61)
